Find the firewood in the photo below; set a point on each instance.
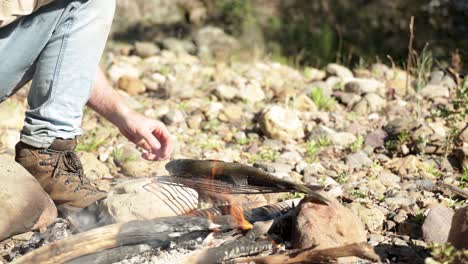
(310, 255)
(161, 230)
(245, 246)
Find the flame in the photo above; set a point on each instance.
(233, 209)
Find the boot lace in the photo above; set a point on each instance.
(67, 163)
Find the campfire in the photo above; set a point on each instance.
(229, 231)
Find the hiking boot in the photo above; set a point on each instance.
(59, 171)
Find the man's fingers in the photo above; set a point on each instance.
(164, 137)
(152, 141)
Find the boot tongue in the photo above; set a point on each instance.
(63, 144)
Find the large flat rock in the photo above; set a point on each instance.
(24, 205)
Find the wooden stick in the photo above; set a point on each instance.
(309, 255)
(410, 54)
(163, 230)
(456, 190)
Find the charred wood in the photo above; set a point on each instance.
(159, 231)
(310, 255)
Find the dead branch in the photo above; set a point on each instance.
(309, 255)
(456, 190)
(161, 230)
(410, 53)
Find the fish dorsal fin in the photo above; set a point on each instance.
(236, 179)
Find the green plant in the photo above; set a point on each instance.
(289, 196)
(358, 194)
(243, 141)
(431, 169)
(419, 218)
(312, 148)
(118, 154)
(322, 101)
(446, 254)
(457, 109)
(357, 145)
(324, 141)
(91, 144)
(404, 137)
(464, 177)
(209, 144)
(422, 68)
(343, 178)
(268, 154)
(182, 106)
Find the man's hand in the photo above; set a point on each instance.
(149, 134)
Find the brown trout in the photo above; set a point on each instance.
(237, 174)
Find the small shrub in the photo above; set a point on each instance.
(357, 145)
(322, 101)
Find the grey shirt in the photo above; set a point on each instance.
(10, 10)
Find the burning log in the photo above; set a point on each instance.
(263, 213)
(245, 246)
(309, 255)
(158, 231)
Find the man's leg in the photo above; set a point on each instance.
(64, 73)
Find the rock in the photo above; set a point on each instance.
(326, 226)
(339, 70)
(339, 139)
(24, 204)
(149, 14)
(389, 179)
(280, 123)
(376, 139)
(179, 45)
(303, 103)
(371, 216)
(131, 85)
(93, 168)
(12, 114)
(462, 157)
(375, 102)
(458, 235)
(120, 69)
(251, 92)
(436, 226)
(405, 166)
(146, 49)
(399, 125)
(174, 116)
(194, 121)
(348, 99)
(380, 70)
(274, 167)
(226, 92)
(358, 160)
(313, 74)
(396, 80)
(142, 199)
(129, 159)
(436, 77)
(375, 239)
(399, 199)
(410, 229)
(363, 86)
(213, 42)
(400, 217)
(232, 114)
(311, 171)
(432, 91)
